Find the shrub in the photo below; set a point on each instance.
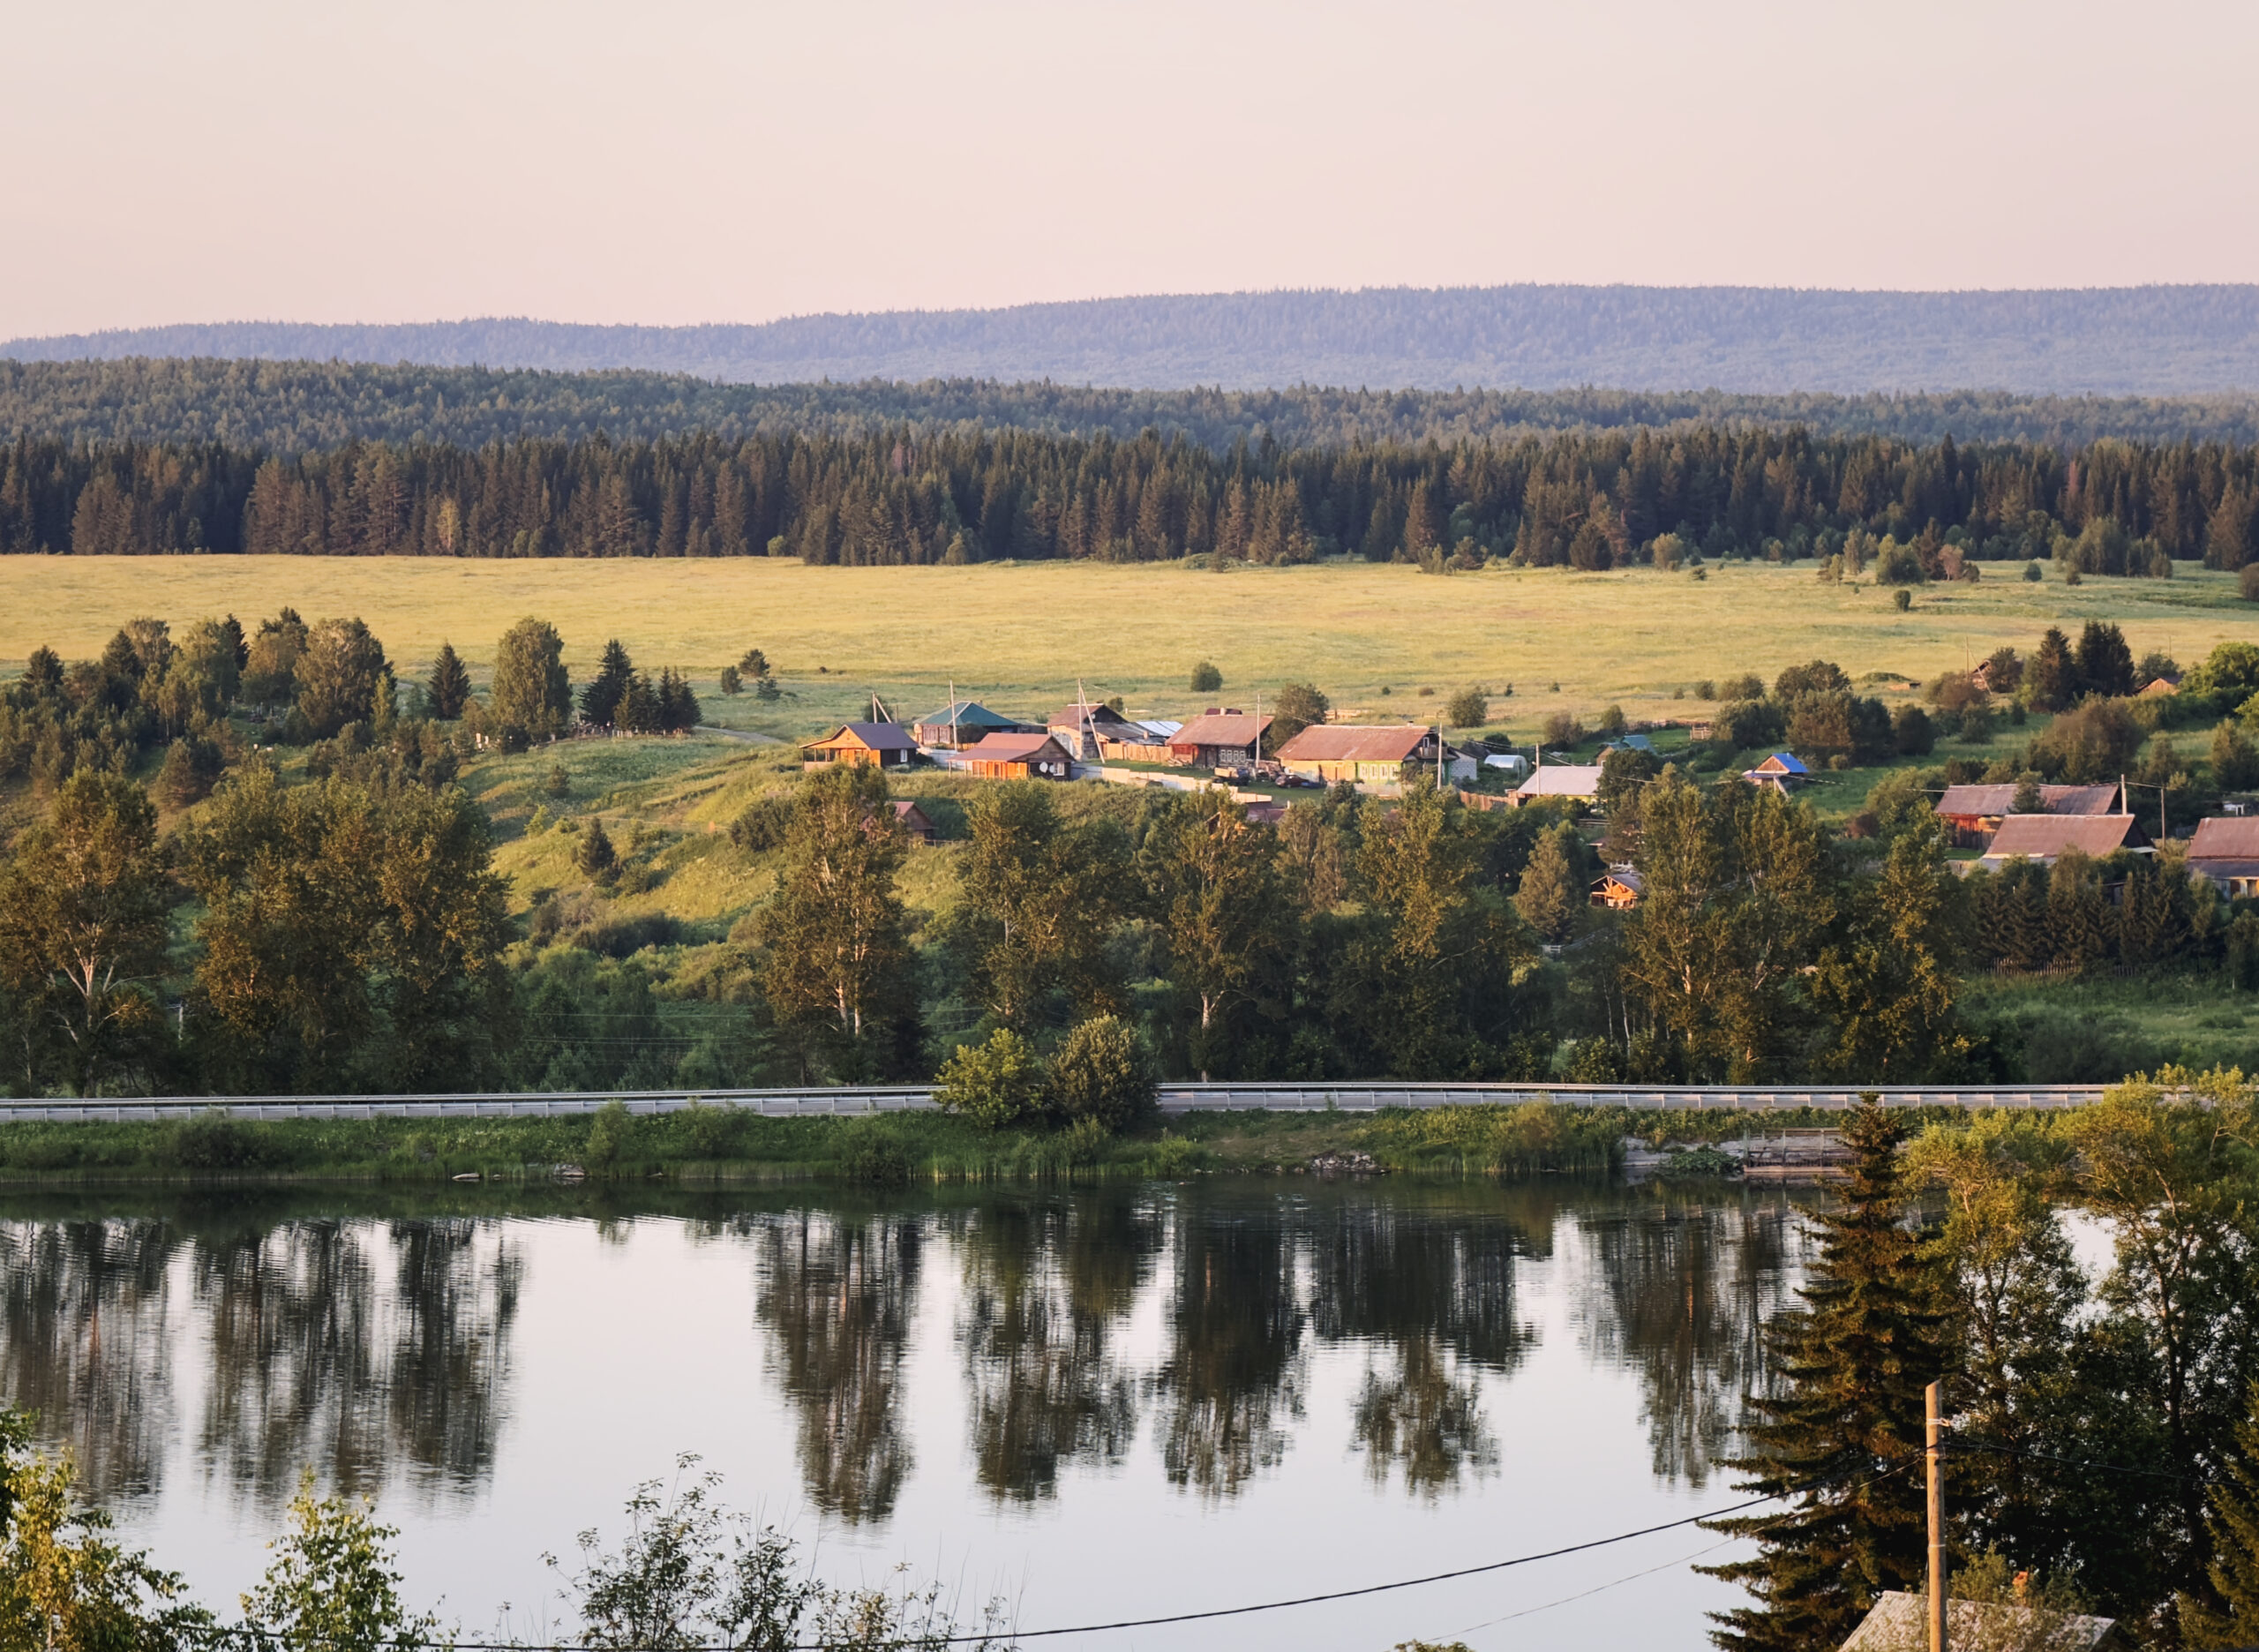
(1469, 708)
(1748, 686)
(2098, 741)
(869, 1153)
(731, 680)
(1911, 732)
(1102, 1073)
(1898, 564)
(2248, 582)
(609, 1135)
(1612, 722)
(1298, 706)
(213, 1140)
(994, 1084)
(1562, 728)
(1902, 600)
(1205, 678)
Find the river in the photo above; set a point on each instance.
(1102, 1402)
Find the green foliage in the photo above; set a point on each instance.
(331, 1586)
(1102, 1073)
(997, 1083)
(611, 1135)
(1296, 706)
(530, 693)
(1551, 898)
(1205, 678)
(2227, 1614)
(1469, 708)
(64, 1584)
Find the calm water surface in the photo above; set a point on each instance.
(1106, 1403)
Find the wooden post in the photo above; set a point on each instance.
(1934, 1461)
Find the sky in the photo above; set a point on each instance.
(685, 160)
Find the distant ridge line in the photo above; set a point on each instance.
(2154, 340)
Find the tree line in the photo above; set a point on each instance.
(900, 495)
(299, 406)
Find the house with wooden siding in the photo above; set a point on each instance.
(1017, 757)
(1224, 739)
(964, 722)
(871, 745)
(2228, 852)
(1782, 771)
(915, 821)
(1974, 813)
(1086, 730)
(1619, 889)
(1366, 754)
(2044, 839)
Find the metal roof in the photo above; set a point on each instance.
(1010, 747)
(1782, 762)
(2043, 837)
(1221, 728)
(969, 712)
(1979, 802)
(1569, 780)
(1350, 742)
(2224, 837)
(873, 736)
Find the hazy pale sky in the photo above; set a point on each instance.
(677, 161)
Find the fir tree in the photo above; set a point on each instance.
(2051, 678)
(600, 700)
(1552, 893)
(2231, 1619)
(597, 855)
(449, 690)
(1842, 1442)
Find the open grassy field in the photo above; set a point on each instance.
(1019, 636)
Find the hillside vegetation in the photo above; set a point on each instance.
(2136, 341)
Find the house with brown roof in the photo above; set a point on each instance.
(2045, 837)
(1017, 757)
(1974, 813)
(872, 745)
(1226, 738)
(1375, 755)
(2228, 852)
(915, 821)
(1086, 730)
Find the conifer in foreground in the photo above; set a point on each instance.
(2232, 1618)
(1842, 1441)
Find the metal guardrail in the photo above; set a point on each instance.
(849, 1101)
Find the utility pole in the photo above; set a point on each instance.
(1933, 1461)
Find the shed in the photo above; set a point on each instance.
(1376, 756)
(872, 745)
(1086, 730)
(1018, 757)
(2228, 852)
(1463, 764)
(963, 723)
(1619, 889)
(1579, 781)
(1228, 737)
(1900, 1622)
(915, 821)
(2045, 837)
(1974, 813)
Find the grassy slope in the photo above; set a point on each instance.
(1020, 635)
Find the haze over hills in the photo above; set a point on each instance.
(2134, 341)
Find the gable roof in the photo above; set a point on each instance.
(1012, 747)
(1569, 780)
(1075, 716)
(906, 811)
(1350, 742)
(1979, 802)
(971, 713)
(1624, 877)
(2227, 838)
(1901, 1619)
(1221, 728)
(1781, 762)
(2043, 837)
(870, 736)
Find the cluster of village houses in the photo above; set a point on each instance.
(1225, 745)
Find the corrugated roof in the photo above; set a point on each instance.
(2043, 837)
(1900, 1619)
(1073, 716)
(1350, 742)
(1783, 763)
(1009, 747)
(969, 712)
(2227, 838)
(875, 736)
(1221, 728)
(1570, 780)
(1978, 801)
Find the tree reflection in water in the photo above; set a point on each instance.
(85, 1342)
(836, 1298)
(1686, 1290)
(1233, 1367)
(1044, 1282)
(1435, 1288)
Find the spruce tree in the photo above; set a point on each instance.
(1842, 1443)
(2050, 680)
(597, 855)
(449, 689)
(600, 700)
(2231, 1619)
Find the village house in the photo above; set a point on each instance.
(965, 723)
(871, 745)
(915, 821)
(2044, 839)
(1619, 889)
(1578, 781)
(1086, 730)
(1974, 813)
(1332, 752)
(1782, 771)
(2228, 852)
(1219, 738)
(1899, 1621)
(1035, 756)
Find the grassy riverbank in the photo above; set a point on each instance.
(722, 1144)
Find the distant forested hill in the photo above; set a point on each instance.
(2135, 340)
(301, 407)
